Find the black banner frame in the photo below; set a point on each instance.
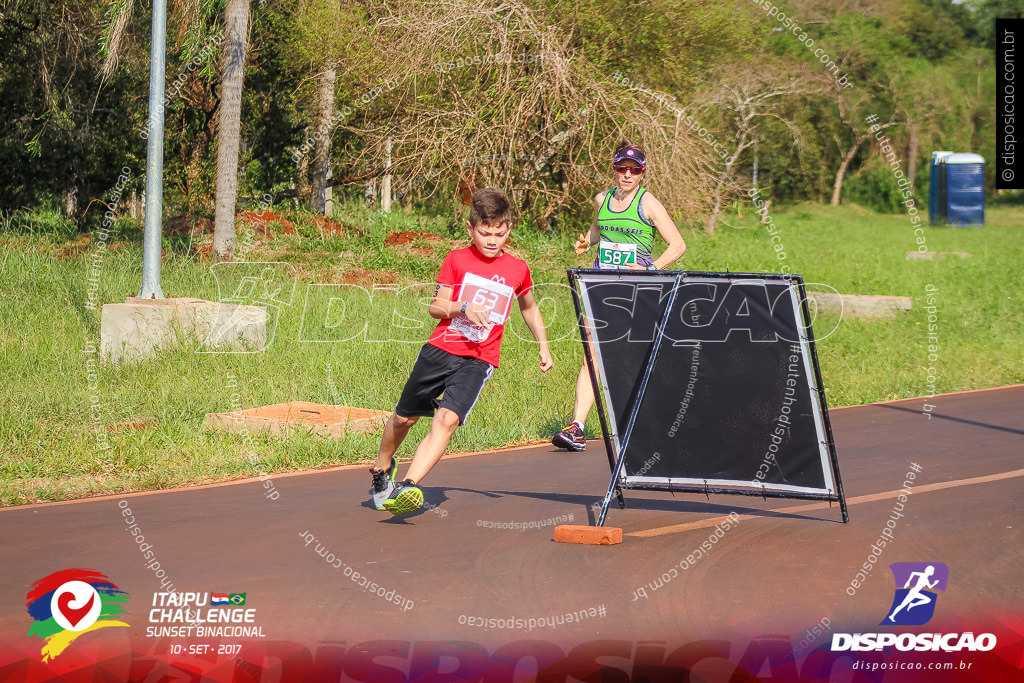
(617, 448)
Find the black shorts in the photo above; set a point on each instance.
(460, 379)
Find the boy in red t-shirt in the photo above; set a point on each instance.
(473, 299)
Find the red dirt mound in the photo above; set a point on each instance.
(186, 224)
(399, 238)
(334, 227)
(359, 276)
(260, 221)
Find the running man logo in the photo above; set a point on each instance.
(914, 603)
(71, 603)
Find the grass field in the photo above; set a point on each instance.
(60, 406)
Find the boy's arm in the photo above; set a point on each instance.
(442, 306)
(531, 315)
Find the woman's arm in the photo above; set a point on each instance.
(656, 213)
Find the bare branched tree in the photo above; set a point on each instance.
(748, 94)
(852, 110)
(491, 94)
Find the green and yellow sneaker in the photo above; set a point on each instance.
(406, 497)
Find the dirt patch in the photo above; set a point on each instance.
(124, 427)
(260, 222)
(399, 238)
(330, 227)
(185, 224)
(421, 252)
(359, 276)
(72, 249)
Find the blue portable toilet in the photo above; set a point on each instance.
(957, 192)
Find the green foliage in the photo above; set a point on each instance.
(61, 133)
(44, 219)
(984, 20)
(667, 44)
(935, 28)
(875, 187)
(925, 64)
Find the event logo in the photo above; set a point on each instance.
(69, 603)
(914, 603)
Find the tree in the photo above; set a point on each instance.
(746, 94)
(854, 112)
(236, 24)
(509, 95)
(63, 138)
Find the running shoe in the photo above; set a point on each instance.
(406, 497)
(383, 484)
(570, 437)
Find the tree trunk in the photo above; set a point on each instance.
(385, 186)
(192, 177)
(236, 20)
(322, 151)
(137, 206)
(329, 195)
(370, 194)
(912, 154)
(837, 188)
(71, 203)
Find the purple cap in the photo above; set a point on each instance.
(631, 153)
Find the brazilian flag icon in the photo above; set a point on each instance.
(237, 598)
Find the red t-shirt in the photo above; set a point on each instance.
(494, 282)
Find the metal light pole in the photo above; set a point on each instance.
(155, 157)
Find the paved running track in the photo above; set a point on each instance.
(475, 589)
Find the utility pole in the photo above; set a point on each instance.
(155, 157)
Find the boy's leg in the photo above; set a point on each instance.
(465, 381)
(382, 473)
(407, 495)
(464, 378)
(425, 382)
(395, 431)
(430, 450)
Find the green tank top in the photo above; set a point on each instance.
(627, 226)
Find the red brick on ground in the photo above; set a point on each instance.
(588, 535)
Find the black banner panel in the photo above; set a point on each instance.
(710, 382)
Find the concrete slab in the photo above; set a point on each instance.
(138, 328)
(868, 306)
(282, 419)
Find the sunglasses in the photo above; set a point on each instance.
(623, 168)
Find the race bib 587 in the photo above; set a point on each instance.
(616, 254)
